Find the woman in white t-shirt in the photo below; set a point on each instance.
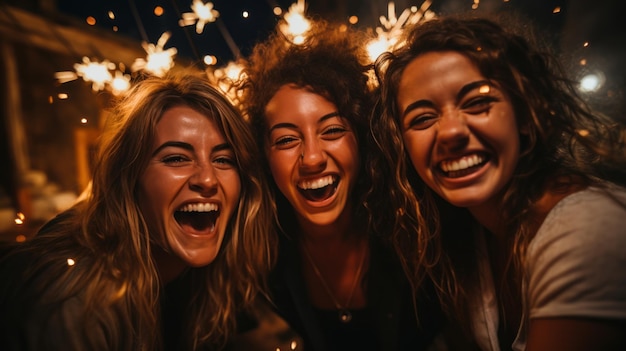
(513, 186)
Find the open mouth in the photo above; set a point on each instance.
(463, 166)
(319, 189)
(198, 217)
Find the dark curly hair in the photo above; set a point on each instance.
(565, 138)
(332, 62)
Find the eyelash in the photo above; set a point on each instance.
(225, 160)
(174, 159)
(481, 103)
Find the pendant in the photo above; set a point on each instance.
(344, 315)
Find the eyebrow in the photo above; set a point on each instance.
(187, 146)
(464, 90)
(291, 125)
(471, 86)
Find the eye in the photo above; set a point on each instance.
(285, 142)
(478, 105)
(422, 121)
(175, 160)
(225, 161)
(334, 132)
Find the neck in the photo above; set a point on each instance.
(340, 229)
(488, 216)
(168, 266)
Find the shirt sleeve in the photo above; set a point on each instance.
(576, 264)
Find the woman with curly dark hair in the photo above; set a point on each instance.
(336, 282)
(511, 189)
(178, 197)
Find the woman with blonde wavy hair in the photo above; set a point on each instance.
(178, 198)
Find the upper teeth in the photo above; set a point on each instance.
(317, 183)
(199, 207)
(462, 163)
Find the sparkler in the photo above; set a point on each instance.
(295, 24)
(388, 36)
(201, 15)
(98, 73)
(159, 61)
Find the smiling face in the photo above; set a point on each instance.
(190, 187)
(460, 130)
(313, 154)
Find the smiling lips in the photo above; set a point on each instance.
(318, 189)
(199, 218)
(462, 166)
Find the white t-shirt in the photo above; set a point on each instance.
(576, 266)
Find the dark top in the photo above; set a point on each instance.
(387, 323)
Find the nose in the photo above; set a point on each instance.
(453, 131)
(203, 179)
(313, 155)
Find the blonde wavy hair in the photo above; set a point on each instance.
(109, 238)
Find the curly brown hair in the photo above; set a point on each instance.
(332, 62)
(565, 138)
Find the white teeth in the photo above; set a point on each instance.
(460, 164)
(317, 183)
(199, 207)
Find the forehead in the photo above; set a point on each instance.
(185, 122)
(434, 73)
(294, 104)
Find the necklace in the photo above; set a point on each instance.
(345, 316)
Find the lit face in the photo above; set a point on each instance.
(460, 131)
(313, 154)
(191, 186)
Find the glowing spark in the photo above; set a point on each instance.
(201, 15)
(20, 218)
(95, 72)
(83, 120)
(65, 76)
(387, 36)
(295, 24)
(120, 83)
(158, 61)
(70, 262)
(227, 78)
(20, 238)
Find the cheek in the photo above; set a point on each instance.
(350, 151)
(415, 149)
(235, 189)
(154, 192)
(279, 167)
